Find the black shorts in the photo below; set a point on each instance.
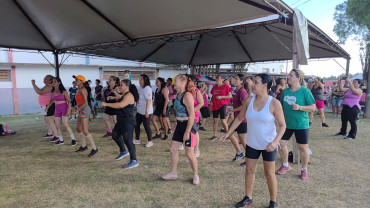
(51, 110)
(159, 112)
(301, 135)
(110, 111)
(221, 111)
(242, 128)
(251, 153)
(205, 112)
(73, 103)
(180, 131)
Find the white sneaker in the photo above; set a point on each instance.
(135, 141)
(149, 144)
(181, 147)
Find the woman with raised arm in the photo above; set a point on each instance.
(261, 112)
(317, 91)
(186, 127)
(124, 129)
(109, 95)
(84, 111)
(351, 106)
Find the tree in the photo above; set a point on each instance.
(353, 20)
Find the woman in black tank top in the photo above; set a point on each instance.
(124, 129)
(161, 108)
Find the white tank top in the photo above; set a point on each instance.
(261, 126)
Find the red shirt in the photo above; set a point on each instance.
(223, 90)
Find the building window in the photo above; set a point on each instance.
(266, 70)
(5, 75)
(122, 74)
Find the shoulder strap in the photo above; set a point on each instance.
(182, 97)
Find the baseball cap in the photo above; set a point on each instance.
(80, 77)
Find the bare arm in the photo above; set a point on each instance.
(277, 89)
(353, 89)
(44, 90)
(200, 101)
(127, 100)
(279, 117)
(341, 88)
(165, 94)
(68, 100)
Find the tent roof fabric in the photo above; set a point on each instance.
(162, 31)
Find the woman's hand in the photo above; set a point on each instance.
(186, 136)
(271, 147)
(104, 104)
(224, 137)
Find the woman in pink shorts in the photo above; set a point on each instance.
(318, 94)
(60, 97)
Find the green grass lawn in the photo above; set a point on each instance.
(34, 173)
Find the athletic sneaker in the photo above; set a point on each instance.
(149, 144)
(223, 130)
(93, 152)
(121, 155)
(338, 116)
(238, 156)
(181, 147)
(136, 141)
(202, 128)
(81, 149)
(54, 139)
(170, 131)
(304, 175)
(333, 116)
(213, 138)
(59, 143)
(348, 137)
(243, 164)
(273, 204)
(165, 137)
(48, 136)
(324, 125)
(74, 142)
(246, 202)
(131, 164)
(282, 170)
(157, 136)
(309, 123)
(108, 134)
(339, 134)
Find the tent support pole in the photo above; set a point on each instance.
(347, 67)
(56, 59)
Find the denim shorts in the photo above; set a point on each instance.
(336, 101)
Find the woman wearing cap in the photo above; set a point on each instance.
(84, 111)
(317, 91)
(297, 102)
(186, 128)
(62, 102)
(124, 129)
(110, 95)
(262, 111)
(351, 106)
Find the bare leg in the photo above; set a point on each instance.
(283, 150)
(155, 124)
(243, 140)
(80, 132)
(269, 168)
(235, 142)
(107, 121)
(50, 131)
(224, 124)
(114, 119)
(251, 166)
(66, 125)
(58, 126)
(85, 127)
(215, 124)
(51, 123)
(322, 114)
(174, 148)
(202, 122)
(193, 160)
(303, 152)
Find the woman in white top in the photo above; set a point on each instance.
(261, 112)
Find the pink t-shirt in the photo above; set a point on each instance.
(170, 91)
(197, 113)
(205, 99)
(222, 90)
(240, 95)
(44, 99)
(351, 99)
(363, 97)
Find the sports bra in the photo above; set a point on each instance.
(180, 107)
(59, 97)
(79, 99)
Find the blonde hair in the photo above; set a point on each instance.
(299, 74)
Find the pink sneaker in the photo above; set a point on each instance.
(282, 170)
(169, 176)
(195, 179)
(304, 175)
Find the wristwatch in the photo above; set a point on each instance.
(300, 108)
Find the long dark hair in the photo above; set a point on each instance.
(146, 80)
(265, 79)
(132, 89)
(88, 88)
(61, 86)
(162, 81)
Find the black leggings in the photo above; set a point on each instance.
(349, 115)
(122, 130)
(146, 121)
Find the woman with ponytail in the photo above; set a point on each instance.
(109, 95)
(186, 128)
(124, 129)
(297, 102)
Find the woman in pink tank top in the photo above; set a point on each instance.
(351, 107)
(198, 103)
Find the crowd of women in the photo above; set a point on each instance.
(245, 105)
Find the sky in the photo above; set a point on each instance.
(321, 13)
